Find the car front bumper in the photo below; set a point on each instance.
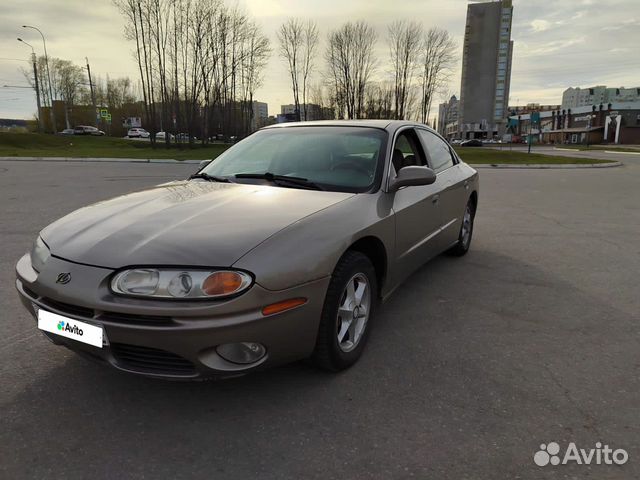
(172, 339)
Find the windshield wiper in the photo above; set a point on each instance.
(209, 178)
(282, 180)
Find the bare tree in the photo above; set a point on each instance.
(351, 63)
(42, 78)
(405, 41)
(68, 80)
(118, 92)
(438, 57)
(199, 62)
(298, 42)
(308, 61)
(379, 100)
(253, 63)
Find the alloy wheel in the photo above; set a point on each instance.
(353, 312)
(466, 226)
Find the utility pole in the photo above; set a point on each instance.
(93, 95)
(534, 117)
(35, 76)
(46, 61)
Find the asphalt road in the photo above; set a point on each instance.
(533, 337)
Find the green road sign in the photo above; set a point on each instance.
(108, 117)
(104, 112)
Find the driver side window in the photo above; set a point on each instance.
(407, 151)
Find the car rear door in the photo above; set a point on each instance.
(451, 182)
(416, 209)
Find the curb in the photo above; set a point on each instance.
(546, 165)
(622, 153)
(98, 160)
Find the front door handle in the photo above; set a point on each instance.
(435, 199)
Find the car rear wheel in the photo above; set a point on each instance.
(346, 316)
(466, 231)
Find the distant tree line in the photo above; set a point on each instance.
(70, 85)
(200, 63)
(420, 64)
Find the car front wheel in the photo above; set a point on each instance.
(346, 316)
(466, 230)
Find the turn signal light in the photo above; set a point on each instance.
(283, 306)
(222, 283)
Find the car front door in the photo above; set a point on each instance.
(416, 209)
(451, 182)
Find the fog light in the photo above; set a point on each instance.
(242, 353)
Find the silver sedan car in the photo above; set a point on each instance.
(278, 250)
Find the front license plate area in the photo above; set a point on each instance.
(70, 328)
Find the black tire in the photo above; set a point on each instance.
(462, 246)
(327, 353)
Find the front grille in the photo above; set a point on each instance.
(117, 317)
(90, 314)
(65, 308)
(151, 360)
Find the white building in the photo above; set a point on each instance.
(581, 97)
(260, 114)
(448, 118)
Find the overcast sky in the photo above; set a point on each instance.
(558, 43)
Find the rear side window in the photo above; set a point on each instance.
(438, 152)
(407, 151)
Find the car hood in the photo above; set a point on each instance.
(185, 223)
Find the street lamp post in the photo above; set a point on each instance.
(93, 95)
(46, 61)
(35, 76)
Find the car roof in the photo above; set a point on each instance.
(389, 125)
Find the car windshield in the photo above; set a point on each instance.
(337, 158)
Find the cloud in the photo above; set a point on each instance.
(565, 43)
(539, 25)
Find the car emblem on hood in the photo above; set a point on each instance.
(64, 278)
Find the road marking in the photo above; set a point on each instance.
(568, 149)
(622, 153)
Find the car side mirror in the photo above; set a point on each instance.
(412, 176)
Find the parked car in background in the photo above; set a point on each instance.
(474, 142)
(87, 130)
(163, 136)
(184, 137)
(67, 131)
(137, 132)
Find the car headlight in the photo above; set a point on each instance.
(39, 254)
(180, 284)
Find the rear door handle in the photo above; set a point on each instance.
(435, 199)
